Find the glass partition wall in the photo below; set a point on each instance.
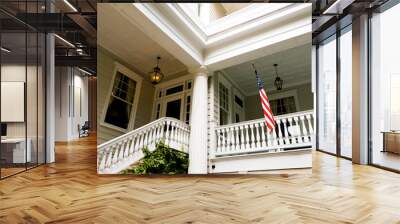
(334, 105)
(385, 89)
(22, 87)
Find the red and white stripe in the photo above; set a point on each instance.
(269, 117)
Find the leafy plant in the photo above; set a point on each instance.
(163, 160)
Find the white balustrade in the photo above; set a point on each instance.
(121, 152)
(291, 131)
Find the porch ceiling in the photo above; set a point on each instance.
(294, 67)
(123, 38)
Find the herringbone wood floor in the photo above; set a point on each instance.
(70, 191)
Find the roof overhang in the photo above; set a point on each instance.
(256, 30)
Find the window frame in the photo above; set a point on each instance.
(228, 86)
(286, 94)
(135, 77)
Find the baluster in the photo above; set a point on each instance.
(256, 125)
(180, 138)
(115, 155)
(236, 142)
(148, 136)
(285, 123)
(153, 135)
(109, 157)
(233, 140)
(121, 151)
(126, 150)
(103, 160)
(298, 135)
(226, 141)
(137, 146)
(262, 134)
(172, 133)
(253, 145)
(156, 132)
(149, 133)
(247, 136)
(242, 138)
(160, 131)
(178, 133)
(145, 137)
(132, 147)
(270, 135)
(176, 125)
(142, 138)
(229, 139)
(167, 132)
(310, 124)
(274, 136)
(218, 131)
(280, 140)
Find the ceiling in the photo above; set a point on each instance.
(294, 67)
(232, 7)
(130, 44)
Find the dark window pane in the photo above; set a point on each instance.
(173, 90)
(118, 113)
(174, 109)
(238, 101)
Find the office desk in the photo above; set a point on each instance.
(13, 150)
(391, 141)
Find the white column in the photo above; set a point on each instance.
(360, 90)
(50, 98)
(198, 124)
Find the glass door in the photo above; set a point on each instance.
(173, 107)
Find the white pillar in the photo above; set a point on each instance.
(198, 124)
(50, 98)
(50, 91)
(360, 90)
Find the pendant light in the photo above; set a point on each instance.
(156, 75)
(278, 81)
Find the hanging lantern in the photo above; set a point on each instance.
(278, 81)
(156, 75)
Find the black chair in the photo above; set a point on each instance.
(84, 130)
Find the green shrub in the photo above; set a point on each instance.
(163, 160)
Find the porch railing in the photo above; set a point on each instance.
(291, 131)
(121, 152)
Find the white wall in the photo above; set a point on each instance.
(69, 82)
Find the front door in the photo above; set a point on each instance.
(173, 107)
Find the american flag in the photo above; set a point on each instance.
(269, 117)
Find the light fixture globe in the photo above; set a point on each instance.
(156, 76)
(278, 81)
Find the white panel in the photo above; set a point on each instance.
(12, 101)
(263, 162)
